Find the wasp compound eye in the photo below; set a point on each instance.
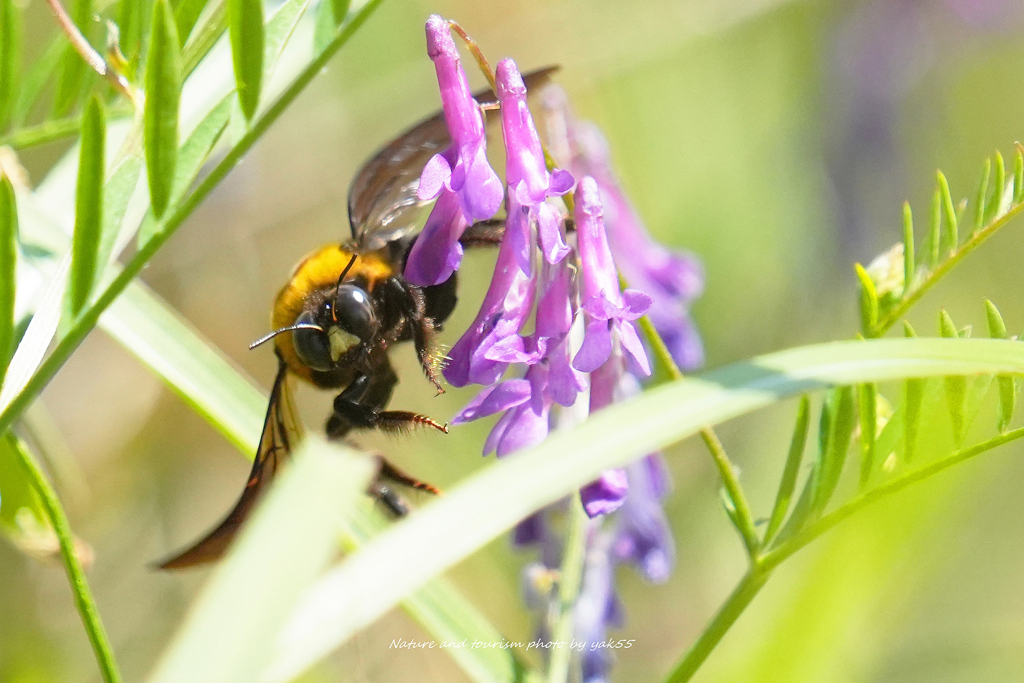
(312, 345)
(354, 312)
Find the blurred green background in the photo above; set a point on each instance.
(774, 139)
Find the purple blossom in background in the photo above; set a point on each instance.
(672, 279)
(466, 187)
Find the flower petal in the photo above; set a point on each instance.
(606, 493)
(596, 347)
(494, 399)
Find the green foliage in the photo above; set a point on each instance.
(88, 206)
(163, 91)
(8, 271)
(245, 25)
(10, 55)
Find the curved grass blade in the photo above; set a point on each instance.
(10, 57)
(399, 561)
(980, 201)
(163, 91)
(867, 411)
(85, 243)
(1007, 384)
(908, 249)
(8, 265)
(868, 300)
(951, 237)
(245, 26)
(289, 539)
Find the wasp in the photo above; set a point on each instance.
(344, 307)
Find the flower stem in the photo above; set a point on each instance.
(76, 576)
(570, 579)
(741, 596)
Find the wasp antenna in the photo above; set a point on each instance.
(290, 328)
(351, 263)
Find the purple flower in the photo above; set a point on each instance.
(466, 187)
(642, 536)
(610, 312)
(671, 278)
(529, 182)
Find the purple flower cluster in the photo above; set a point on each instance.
(582, 351)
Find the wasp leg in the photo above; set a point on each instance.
(389, 471)
(484, 233)
(391, 501)
(359, 407)
(421, 326)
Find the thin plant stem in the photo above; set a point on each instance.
(91, 57)
(975, 240)
(570, 578)
(51, 131)
(76, 576)
(731, 609)
(172, 219)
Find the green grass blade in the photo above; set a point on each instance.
(868, 301)
(844, 420)
(163, 92)
(290, 538)
(34, 80)
(980, 203)
(995, 202)
(790, 472)
(117, 193)
(1018, 176)
(934, 231)
(10, 58)
(956, 387)
(279, 29)
(867, 412)
(490, 502)
(85, 243)
(245, 26)
(339, 8)
(8, 265)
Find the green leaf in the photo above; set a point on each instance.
(842, 423)
(278, 31)
(992, 209)
(129, 24)
(792, 469)
(8, 264)
(290, 538)
(10, 58)
(324, 28)
(867, 410)
(935, 230)
(117, 193)
(956, 387)
(1018, 176)
(980, 204)
(908, 249)
(490, 502)
(245, 26)
(191, 157)
(73, 68)
(185, 16)
(88, 206)
(868, 301)
(163, 91)
(1007, 384)
(913, 396)
(951, 236)
(339, 8)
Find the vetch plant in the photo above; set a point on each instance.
(579, 345)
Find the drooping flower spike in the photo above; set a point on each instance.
(461, 179)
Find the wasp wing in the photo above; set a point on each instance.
(382, 201)
(281, 432)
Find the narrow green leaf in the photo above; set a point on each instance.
(129, 27)
(980, 200)
(868, 301)
(998, 189)
(368, 583)
(324, 28)
(908, 249)
(85, 243)
(956, 387)
(8, 264)
(279, 29)
(935, 230)
(73, 67)
(10, 58)
(163, 91)
(34, 81)
(245, 26)
(339, 8)
(867, 410)
(117, 193)
(291, 537)
(913, 397)
(185, 16)
(1018, 176)
(952, 238)
(843, 421)
(1007, 383)
(792, 469)
(191, 157)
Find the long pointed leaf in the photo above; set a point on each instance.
(10, 56)
(163, 91)
(88, 206)
(245, 26)
(8, 264)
